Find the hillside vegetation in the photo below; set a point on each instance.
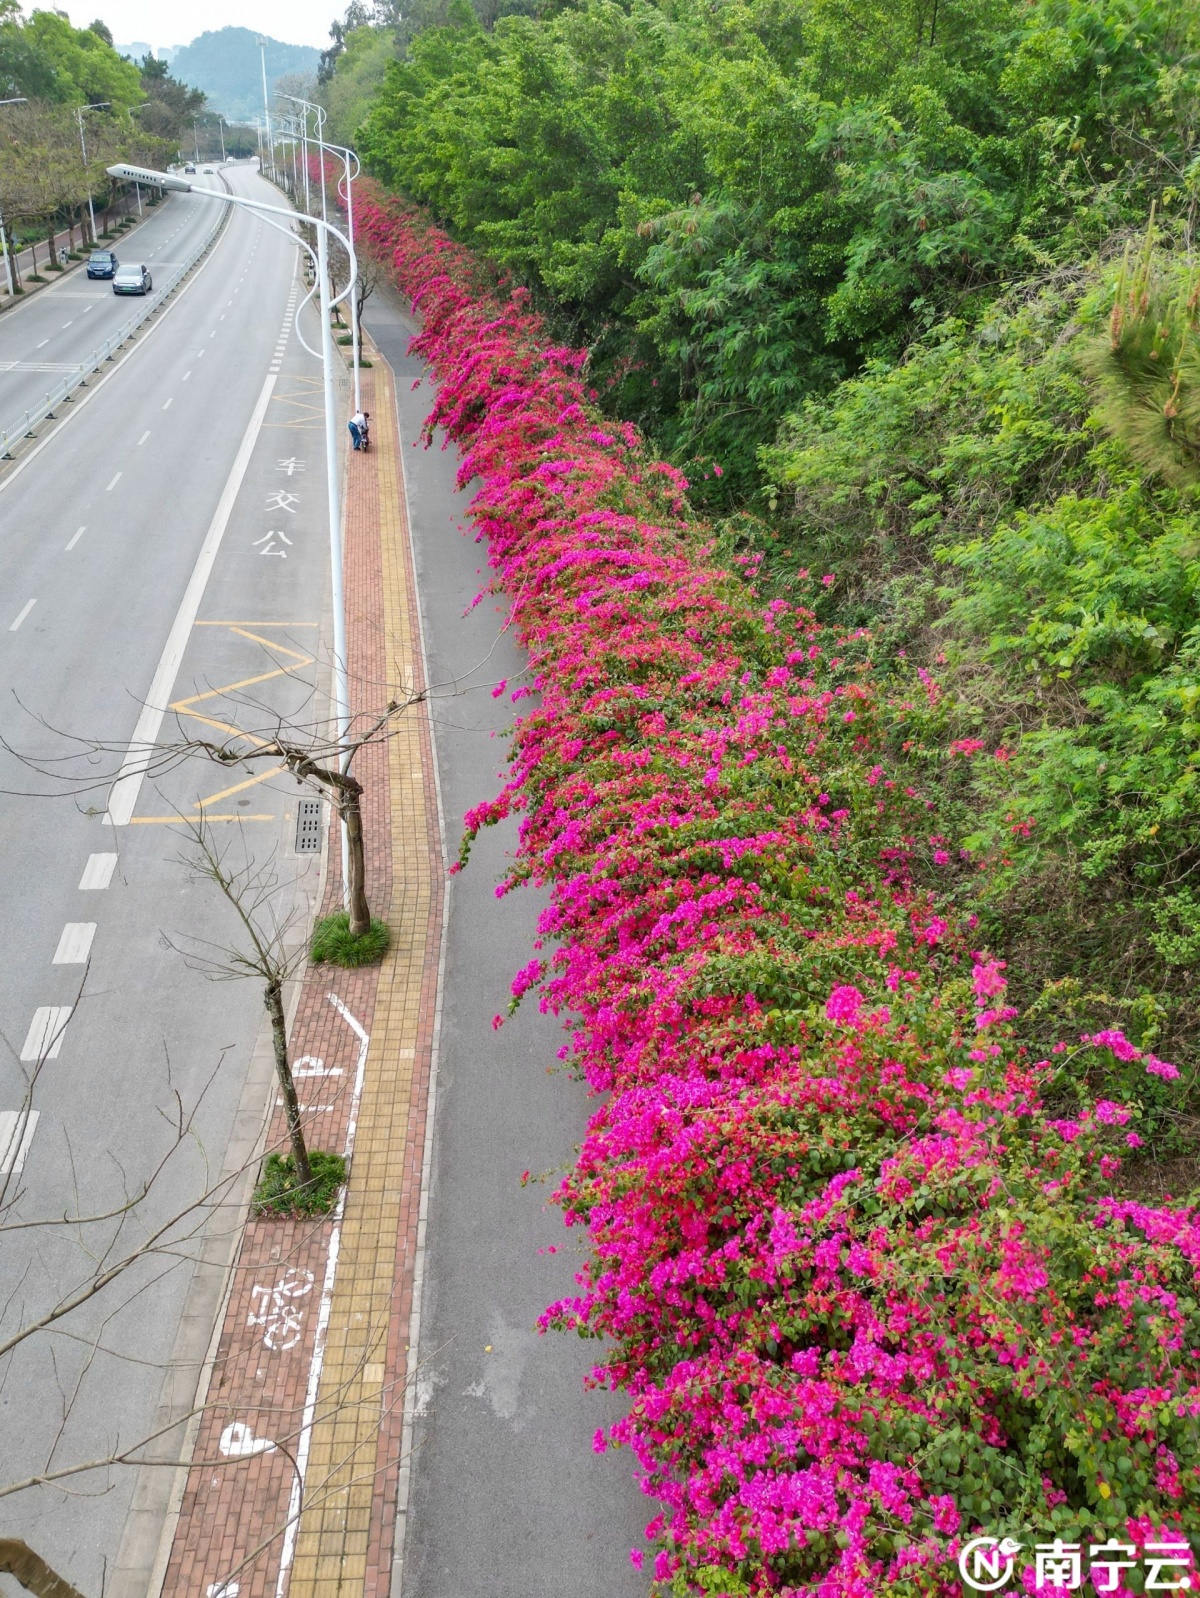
(226, 64)
(52, 156)
(854, 268)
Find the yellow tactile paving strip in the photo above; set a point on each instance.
(355, 1445)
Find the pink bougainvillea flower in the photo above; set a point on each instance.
(844, 1262)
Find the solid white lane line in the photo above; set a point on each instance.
(124, 795)
(169, 403)
(98, 872)
(25, 611)
(16, 1134)
(45, 1035)
(113, 484)
(75, 944)
(76, 537)
(143, 438)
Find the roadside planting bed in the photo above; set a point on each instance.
(864, 1267)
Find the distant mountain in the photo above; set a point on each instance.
(139, 50)
(225, 64)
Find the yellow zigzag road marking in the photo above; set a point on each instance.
(184, 707)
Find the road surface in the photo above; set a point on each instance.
(192, 479)
(51, 334)
(508, 1498)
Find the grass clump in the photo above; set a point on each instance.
(279, 1193)
(333, 943)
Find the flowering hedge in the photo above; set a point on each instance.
(863, 1267)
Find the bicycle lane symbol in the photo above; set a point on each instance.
(275, 1309)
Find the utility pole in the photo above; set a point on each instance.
(100, 105)
(262, 56)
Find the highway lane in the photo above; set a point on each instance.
(508, 1498)
(57, 330)
(99, 536)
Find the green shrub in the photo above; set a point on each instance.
(278, 1192)
(333, 944)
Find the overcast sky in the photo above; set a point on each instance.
(171, 22)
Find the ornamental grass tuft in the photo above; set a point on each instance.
(279, 1193)
(334, 944)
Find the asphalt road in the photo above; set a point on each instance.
(104, 532)
(508, 1498)
(66, 325)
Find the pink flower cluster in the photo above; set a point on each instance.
(864, 1293)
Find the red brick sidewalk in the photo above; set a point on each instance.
(292, 1487)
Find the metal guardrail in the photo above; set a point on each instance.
(77, 379)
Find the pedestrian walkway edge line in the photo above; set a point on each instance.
(404, 1481)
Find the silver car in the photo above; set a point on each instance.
(132, 280)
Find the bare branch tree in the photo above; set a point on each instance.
(251, 891)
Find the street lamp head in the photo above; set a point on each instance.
(148, 176)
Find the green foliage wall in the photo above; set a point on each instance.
(984, 512)
(737, 206)
(864, 260)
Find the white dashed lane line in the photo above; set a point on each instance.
(12, 626)
(75, 537)
(143, 438)
(75, 944)
(168, 403)
(113, 484)
(45, 1035)
(16, 1134)
(98, 872)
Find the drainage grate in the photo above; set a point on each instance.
(308, 826)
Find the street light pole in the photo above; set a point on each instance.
(347, 156)
(100, 105)
(341, 682)
(262, 56)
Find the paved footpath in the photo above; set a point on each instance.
(305, 1403)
